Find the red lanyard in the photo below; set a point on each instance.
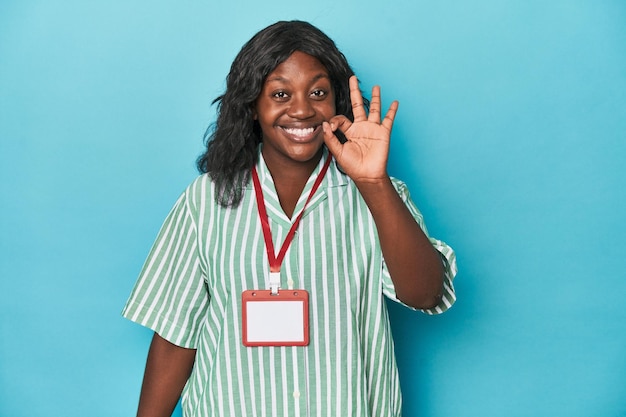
(276, 261)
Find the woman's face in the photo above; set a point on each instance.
(294, 101)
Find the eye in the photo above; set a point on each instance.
(280, 95)
(319, 93)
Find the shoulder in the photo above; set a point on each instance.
(198, 193)
(200, 183)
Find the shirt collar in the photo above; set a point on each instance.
(334, 178)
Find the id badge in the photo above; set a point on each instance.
(275, 320)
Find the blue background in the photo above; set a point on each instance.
(511, 134)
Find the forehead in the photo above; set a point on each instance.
(299, 65)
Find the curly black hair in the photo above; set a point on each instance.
(231, 142)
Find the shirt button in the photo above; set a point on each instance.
(296, 394)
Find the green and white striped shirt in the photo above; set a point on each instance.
(205, 256)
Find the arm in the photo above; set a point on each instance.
(167, 369)
(414, 265)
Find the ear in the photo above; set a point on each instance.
(255, 115)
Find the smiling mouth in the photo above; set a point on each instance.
(301, 133)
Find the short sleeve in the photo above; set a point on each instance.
(170, 295)
(447, 255)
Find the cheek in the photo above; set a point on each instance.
(330, 109)
(326, 108)
(333, 104)
(266, 118)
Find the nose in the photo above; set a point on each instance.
(301, 107)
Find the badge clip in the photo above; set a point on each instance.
(274, 282)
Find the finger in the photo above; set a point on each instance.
(391, 115)
(357, 100)
(374, 115)
(340, 122)
(332, 142)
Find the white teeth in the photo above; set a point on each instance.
(300, 132)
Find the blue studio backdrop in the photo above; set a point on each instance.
(511, 135)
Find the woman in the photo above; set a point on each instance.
(277, 174)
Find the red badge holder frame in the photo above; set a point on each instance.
(275, 318)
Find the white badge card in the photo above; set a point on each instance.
(275, 320)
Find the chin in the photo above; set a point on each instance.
(305, 155)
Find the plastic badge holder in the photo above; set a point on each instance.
(275, 320)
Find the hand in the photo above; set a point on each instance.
(364, 156)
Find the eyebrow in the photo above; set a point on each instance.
(282, 79)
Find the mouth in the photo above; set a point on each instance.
(302, 134)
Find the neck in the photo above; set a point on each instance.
(286, 171)
(290, 177)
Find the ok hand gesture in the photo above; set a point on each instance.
(364, 156)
